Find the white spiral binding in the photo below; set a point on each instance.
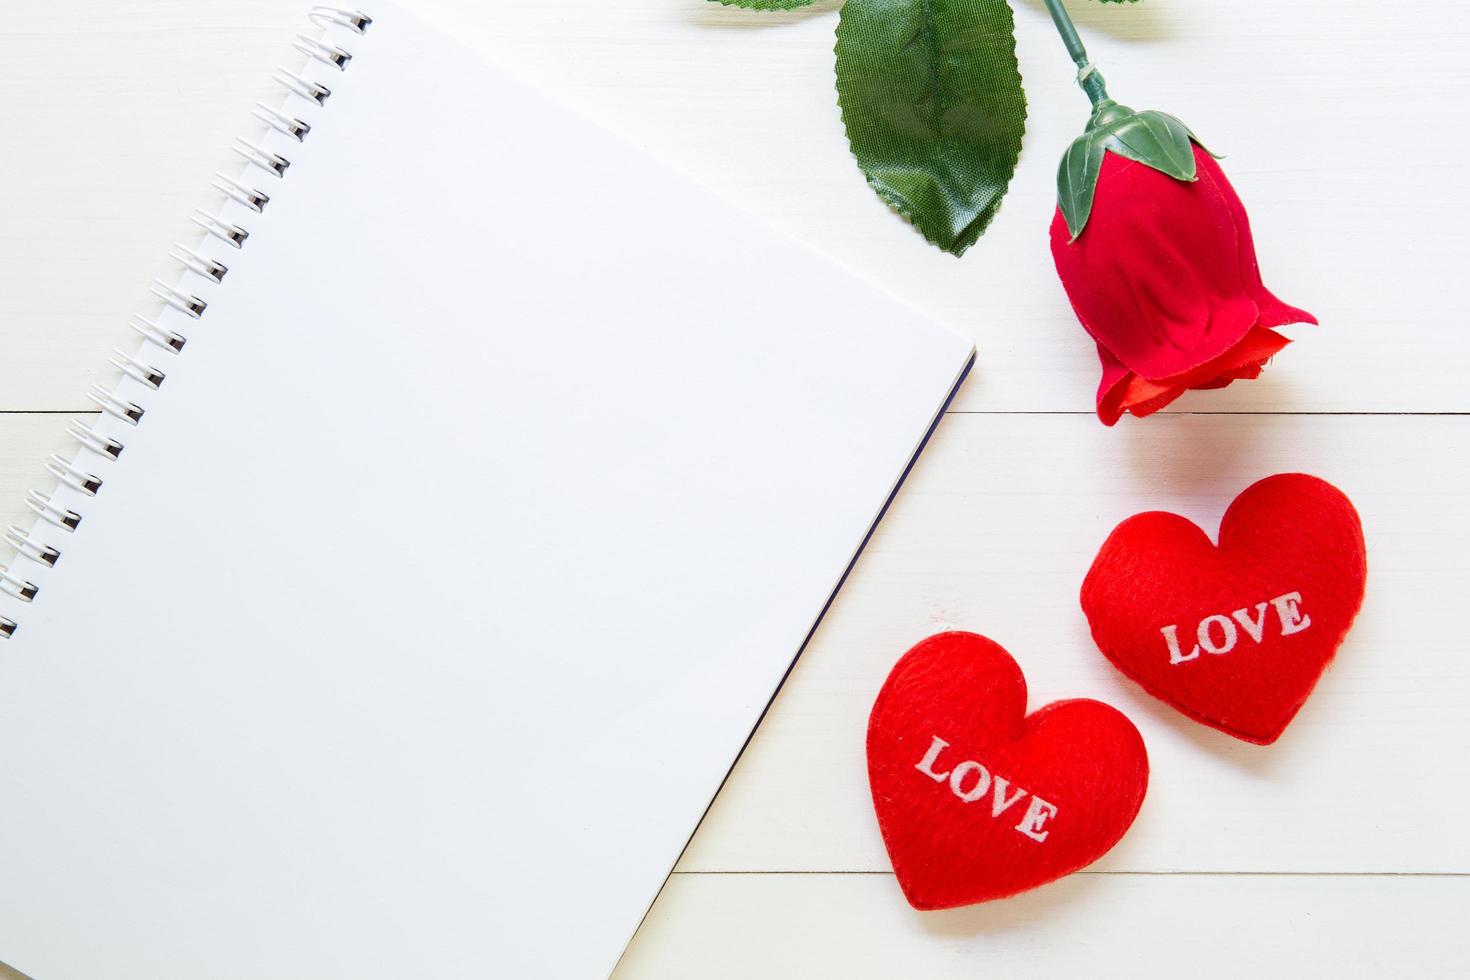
(353, 20)
(20, 539)
(281, 123)
(230, 234)
(185, 303)
(118, 408)
(20, 588)
(169, 340)
(199, 265)
(68, 473)
(315, 91)
(252, 197)
(327, 54)
(75, 479)
(254, 154)
(89, 438)
(52, 512)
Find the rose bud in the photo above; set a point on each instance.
(1155, 251)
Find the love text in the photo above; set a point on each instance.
(1218, 634)
(970, 782)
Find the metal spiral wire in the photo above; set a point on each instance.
(75, 475)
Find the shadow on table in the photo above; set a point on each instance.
(711, 13)
(1019, 913)
(1261, 761)
(1192, 449)
(1128, 21)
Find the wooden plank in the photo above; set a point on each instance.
(994, 533)
(733, 927)
(141, 101)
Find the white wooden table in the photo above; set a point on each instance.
(1342, 850)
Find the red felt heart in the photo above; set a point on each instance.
(977, 800)
(1233, 636)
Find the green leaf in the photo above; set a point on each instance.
(931, 97)
(766, 4)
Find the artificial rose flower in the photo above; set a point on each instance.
(1157, 259)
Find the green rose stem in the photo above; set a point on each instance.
(1088, 76)
(1154, 139)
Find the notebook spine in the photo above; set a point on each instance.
(101, 445)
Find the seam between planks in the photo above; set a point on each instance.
(92, 410)
(1112, 874)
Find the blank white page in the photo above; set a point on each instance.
(453, 563)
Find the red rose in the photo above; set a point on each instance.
(1162, 270)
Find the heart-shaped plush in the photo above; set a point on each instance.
(1234, 636)
(978, 800)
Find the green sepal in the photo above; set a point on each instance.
(1077, 181)
(1152, 138)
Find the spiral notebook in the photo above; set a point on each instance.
(441, 543)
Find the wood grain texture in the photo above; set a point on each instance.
(1320, 856)
(826, 927)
